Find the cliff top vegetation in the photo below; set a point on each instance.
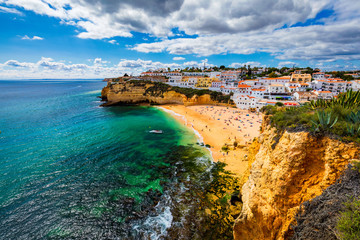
(338, 117)
(157, 89)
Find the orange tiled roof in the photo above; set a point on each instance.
(243, 86)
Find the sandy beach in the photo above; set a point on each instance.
(219, 126)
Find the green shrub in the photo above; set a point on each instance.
(225, 148)
(324, 121)
(333, 117)
(349, 222)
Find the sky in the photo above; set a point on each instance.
(107, 38)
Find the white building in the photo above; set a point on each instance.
(324, 94)
(175, 80)
(305, 96)
(335, 85)
(152, 74)
(355, 85)
(304, 86)
(244, 89)
(229, 76)
(244, 101)
(276, 88)
(214, 74)
(227, 90)
(278, 80)
(199, 74)
(318, 75)
(258, 92)
(171, 74)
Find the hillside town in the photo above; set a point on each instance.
(254, 88)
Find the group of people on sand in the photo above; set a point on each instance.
(239, 119)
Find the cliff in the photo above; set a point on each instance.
(289, 169)
(138, 92)
(323, 212)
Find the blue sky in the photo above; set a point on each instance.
(96, 39)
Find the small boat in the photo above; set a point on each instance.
(156, 131)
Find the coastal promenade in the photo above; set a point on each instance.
(219, 126)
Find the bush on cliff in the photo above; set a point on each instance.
(158, 89)
(349, 222)
(339, 117)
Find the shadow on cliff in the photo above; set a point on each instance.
(317, 219)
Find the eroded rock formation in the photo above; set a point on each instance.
(288, 170)
(129, 92)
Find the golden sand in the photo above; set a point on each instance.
(219, 126)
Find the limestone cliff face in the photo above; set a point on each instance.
(132, 93)
(288, 170)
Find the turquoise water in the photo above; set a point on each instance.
(71, 169)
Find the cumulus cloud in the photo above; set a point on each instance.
(10, 10)
(200, 64)
(105, 19)
(178, 58)
(336, 41)
(140, 64)
(17, 64)
(26, 37)
(219, 27)
(113, 42)
(286, 64)
(49, 68)
(99, 61)
(238, 65)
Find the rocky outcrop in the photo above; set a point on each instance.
(132, 93)
(318, 218)
(289, 169)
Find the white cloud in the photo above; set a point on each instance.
(99, 61)
(106, 19)
(10, 10)
(49, 68)
(140, 65)
(113, 42)
(238, 65)
(17, 64)
(200, 64)
(336, 41)
(26, 37)
(178, 58)
(286, 64)
(221, 27)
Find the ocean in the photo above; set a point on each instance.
(70, 169)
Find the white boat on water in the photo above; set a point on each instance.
(156, 131)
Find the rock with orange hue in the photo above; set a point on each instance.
(128, 93)
(288, 170)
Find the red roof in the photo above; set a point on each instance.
(290, 104)
(243, 86)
